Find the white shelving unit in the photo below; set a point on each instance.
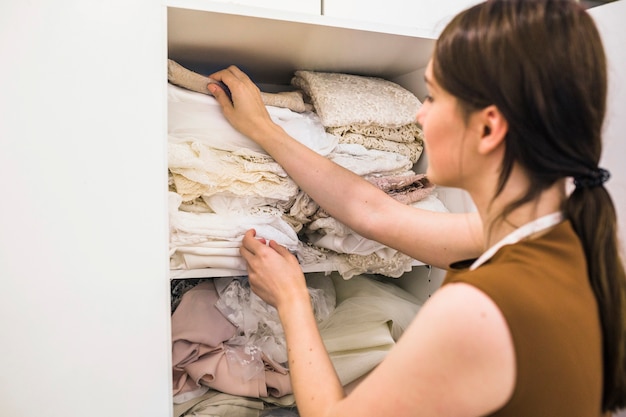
(271, 46)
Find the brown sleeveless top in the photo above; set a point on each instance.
(542, 289)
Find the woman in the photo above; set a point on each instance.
(536, 325)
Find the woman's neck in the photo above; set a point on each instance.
(497, 227)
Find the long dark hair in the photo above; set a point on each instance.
(542, 64)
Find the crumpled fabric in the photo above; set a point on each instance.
(258, 324)
(200, 355)
(369, 318)
(329, 233)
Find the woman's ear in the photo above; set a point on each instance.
(494, 129)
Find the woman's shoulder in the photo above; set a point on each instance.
(466, 335)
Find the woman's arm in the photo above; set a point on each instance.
(277, 278)
(455, 359)
(433, 238)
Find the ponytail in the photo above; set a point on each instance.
(592, 214)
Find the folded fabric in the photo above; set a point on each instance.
(201, 171)
(350, 265)
(214, 234)
(404, 134)
(194, 117)
(189, 258)
(406, 188)
(183, 77)
(330, 233)
(362, 161)
(344, 99)
(215, 403)
(412, 150)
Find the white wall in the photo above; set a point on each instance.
(83, 239)
(610, 21)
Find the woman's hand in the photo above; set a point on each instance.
(246, 112)
(275, 274)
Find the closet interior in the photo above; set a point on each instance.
(271, 46)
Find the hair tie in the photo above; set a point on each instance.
(592, 178)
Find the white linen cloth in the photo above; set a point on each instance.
(198, 117)
(217, 237)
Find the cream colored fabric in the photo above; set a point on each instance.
(369, 318)
(412, 150)
(199, 238)
(404, 134)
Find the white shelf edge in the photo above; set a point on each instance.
(329, 266)
(300, 17)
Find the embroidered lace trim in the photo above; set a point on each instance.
(405, 134)
(412, 150)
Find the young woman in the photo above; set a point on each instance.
(536, 326)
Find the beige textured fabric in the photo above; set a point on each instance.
(412, 150)
(345, 99)
(406, 133)
(183, 77)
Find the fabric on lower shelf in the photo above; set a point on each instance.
(360, 321)
(200, 355)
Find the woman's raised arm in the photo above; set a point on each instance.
(433, 238)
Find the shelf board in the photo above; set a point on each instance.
(222, 272)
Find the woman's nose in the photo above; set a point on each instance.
(420, 115)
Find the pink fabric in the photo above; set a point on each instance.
(199, 334)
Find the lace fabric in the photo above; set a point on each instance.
(199, 170)
(345, 99)
(403, 134)
(258, 324)
(412, 150)
(358, 255)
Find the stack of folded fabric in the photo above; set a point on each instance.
(222, 183)
(374, 121)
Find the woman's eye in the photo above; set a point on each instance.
(428, 98)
